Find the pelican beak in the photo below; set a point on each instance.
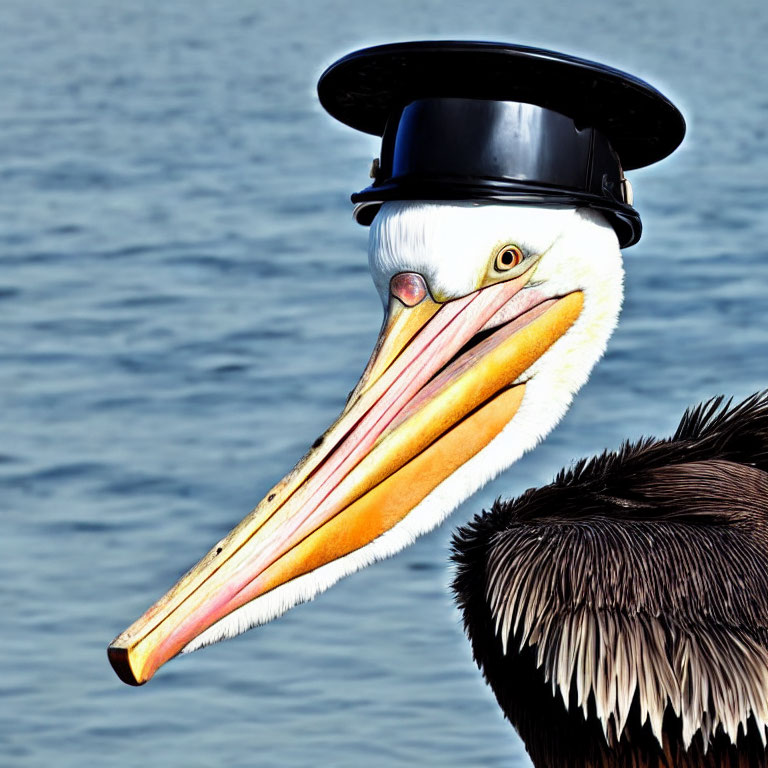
(442, 382)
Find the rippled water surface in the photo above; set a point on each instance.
(184, 302)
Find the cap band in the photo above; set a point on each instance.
(473, 149)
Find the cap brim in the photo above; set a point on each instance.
(365, 87)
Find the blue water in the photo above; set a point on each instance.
(184, 303)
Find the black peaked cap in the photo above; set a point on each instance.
(500, 122)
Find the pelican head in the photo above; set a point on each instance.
(494, 316)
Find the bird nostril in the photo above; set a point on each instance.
(409, 287)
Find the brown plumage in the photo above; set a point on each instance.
(620, 614)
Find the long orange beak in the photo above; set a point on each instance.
(438, 388)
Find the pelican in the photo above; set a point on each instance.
(500, 273)
(624, 607)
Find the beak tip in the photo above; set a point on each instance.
(121, 663)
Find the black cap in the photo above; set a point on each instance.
(500, 122)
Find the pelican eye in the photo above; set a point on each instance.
(508, 258)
